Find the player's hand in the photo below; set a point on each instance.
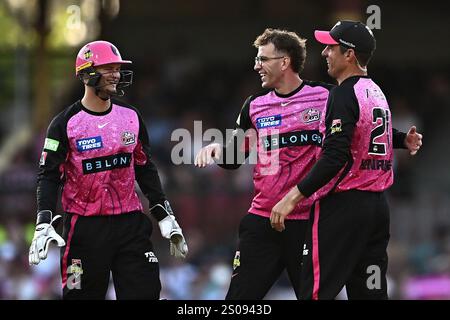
(413, 140)
(171, 230)
(283, 208)
(43, 235)
(207, 154)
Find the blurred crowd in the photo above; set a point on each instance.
(175, 91)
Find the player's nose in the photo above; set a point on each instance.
(115, 75)
(325, 52)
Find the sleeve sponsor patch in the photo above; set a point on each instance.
(43, 158)
(336, 126)
(51, 144)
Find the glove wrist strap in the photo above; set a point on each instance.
(160, 211)
(44, 216)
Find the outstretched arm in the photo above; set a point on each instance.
(233, 154)
(413, 140)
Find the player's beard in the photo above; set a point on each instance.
(111, 89)
(107, 90)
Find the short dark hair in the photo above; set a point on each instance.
(362, 57)
(287, 41)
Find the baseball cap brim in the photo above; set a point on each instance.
(324, 37)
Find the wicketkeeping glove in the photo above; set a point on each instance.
(43, 235)
(170, 229)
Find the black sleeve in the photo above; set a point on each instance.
(341, 118)
(53, 155)
(398, 139)
(237, 148)
(147, 174)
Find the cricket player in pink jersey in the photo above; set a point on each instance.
(95, 150)
(285, 123)
(348, 231)
(284, 120)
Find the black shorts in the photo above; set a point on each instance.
(346, 244)
(99, 245)
(263, 254)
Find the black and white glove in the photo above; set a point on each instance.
(170, 229)
(43, 235)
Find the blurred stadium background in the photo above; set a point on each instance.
(193, 60)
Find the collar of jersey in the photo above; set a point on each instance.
(290, 94)
(96, 113)
(355, 77)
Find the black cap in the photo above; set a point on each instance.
(350, 34)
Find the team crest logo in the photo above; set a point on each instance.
(310, 115)
(128, 138)
(88, 54)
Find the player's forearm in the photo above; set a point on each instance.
(231, 158)
(233, 153)
(334, 157)
(321, 174)
(47, 194)
(148, 179)
(398, 139)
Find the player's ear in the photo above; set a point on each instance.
(286, 62)
(82, 77)
(349, 54)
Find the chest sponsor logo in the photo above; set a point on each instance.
(128, 138)
(290, 139)
(89, 143)
(115, 161)
(310, 115)
(267, 122)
